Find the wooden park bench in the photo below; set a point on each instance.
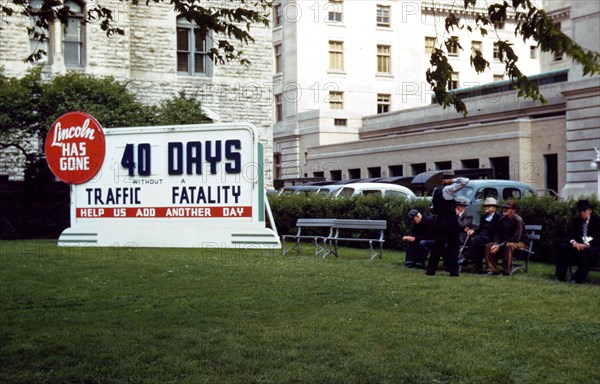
(356, 230)
(533, 233)
(323, 226)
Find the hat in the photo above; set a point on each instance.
(412, 214)
(510, 204)
(583, 205)
(490, 201)
(462, 201)
(448, 174)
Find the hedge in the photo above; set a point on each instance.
(553, 214)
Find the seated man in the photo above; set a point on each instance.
(465, 218)
(420, 240)
(510, 235)
(583, 247)
(484, 233)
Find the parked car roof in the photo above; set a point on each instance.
(385, 189)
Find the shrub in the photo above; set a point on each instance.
(553, 214)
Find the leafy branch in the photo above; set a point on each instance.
(531, 23)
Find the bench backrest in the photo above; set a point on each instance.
(315, 222)
(533, 232)
(359, 224)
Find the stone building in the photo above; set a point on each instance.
(337, 61)
(549, 146)
(159, 56)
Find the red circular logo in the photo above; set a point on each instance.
(75, 147)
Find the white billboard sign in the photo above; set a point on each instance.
(171, 186)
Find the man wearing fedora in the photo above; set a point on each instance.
(446, 229)
(465, 218)
(583, 247)
(510, 234)
(483, 235)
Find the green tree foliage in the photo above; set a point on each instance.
(531, 23)
(180, 109)
(229, 20)
(108, 100)
(29, 106)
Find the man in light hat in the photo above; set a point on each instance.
(483, 235)
(419, 242)
(583, 247)
(510, 235)
(446, 230)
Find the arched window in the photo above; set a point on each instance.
(74, 36)
(192, 49)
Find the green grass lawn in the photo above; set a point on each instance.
(99, 315)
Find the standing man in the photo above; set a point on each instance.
(418, 243)
(510, 235)
(584, 246)
(484, 233)
(446, 230)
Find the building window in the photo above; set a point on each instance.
(340, 122)
(395, 170)
(476, 46)
(453, 82)
(35, 45)
(278, 107)
(335, 175)
(441, 165)
(429, 44)
(336, 100)
(418, 168)
(336, 55)
(551, 172)
(498, 76)
(192, 49)
(374, 171)
(74, 36)
(334, 8)
(383, 15)
(500, 168)
(383, 103)
(354, 173)
(533, 52)
(453, 49)
(496, 51)
(469, 163)
(383, 59)
(278, 61)
(277, 15)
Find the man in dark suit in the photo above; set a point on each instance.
(510, 235)
(445, 236)
(483, 235)
(420, 240)
(583, 247)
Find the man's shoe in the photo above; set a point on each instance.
(490, 273)
(573, 281)
(505, 274)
